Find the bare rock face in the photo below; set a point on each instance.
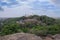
(57, 37)
(48, 38)
(21, 36)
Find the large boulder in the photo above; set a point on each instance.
(21, 36)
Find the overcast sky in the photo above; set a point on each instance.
(17, 8)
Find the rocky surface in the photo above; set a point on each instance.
(26, 36)
(21, 36)
(52, 37)
(57, 37)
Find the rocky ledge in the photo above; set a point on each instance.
(26, 36)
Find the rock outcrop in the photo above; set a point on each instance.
(26, 36)
(57, 37)
(21, 36)
(53, 37)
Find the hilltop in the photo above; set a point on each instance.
(34, 24)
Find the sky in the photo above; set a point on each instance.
(17, 8)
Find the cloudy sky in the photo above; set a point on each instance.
(17, 8)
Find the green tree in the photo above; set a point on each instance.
(47, 20)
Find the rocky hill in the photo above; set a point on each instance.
(33, 27)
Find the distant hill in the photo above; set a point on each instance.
(42, 19)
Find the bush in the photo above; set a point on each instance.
(39, 30)
(54, 29)
(10, 29)
(45, 30)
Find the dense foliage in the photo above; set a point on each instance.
(41, 25)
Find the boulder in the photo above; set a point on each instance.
(57, 37)
(48, 38)
(21, 36)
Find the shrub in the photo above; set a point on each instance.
(54, 29)
(10, 29)
(39, 30)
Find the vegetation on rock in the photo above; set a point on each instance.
(39, 25)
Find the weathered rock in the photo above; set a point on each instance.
(21, 36)
(57, 37)
(48, 38)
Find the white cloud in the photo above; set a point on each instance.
(56, 2)
(25, 8)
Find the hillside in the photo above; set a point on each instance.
(41, 19)
(34, 24)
